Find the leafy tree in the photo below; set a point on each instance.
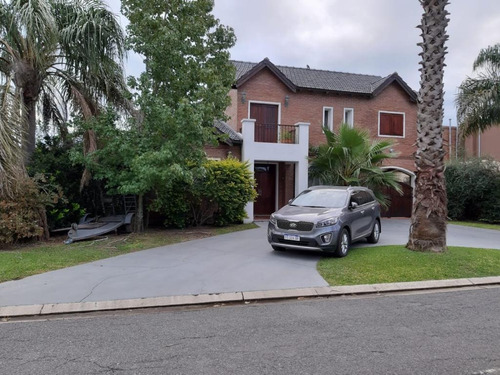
(351, 158)
(478, 99)
(429, 213)
(57, 52)
(183, 90)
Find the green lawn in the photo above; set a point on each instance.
(22, 261)
(476, 224)
(387, 264)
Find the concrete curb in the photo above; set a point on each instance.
(235, 297)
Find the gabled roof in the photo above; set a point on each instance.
(321, 80)
(248, 71)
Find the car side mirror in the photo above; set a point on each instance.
(353, 205)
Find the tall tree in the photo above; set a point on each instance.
(183, 89)
(351, 158)
(60, 51)
(428, 219)
(478, 99)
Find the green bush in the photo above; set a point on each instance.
(173, 202)
(473, 189)
(227, 188)
(22, 217)
(218, 196)
(52, 160)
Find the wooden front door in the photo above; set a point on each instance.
(400, 205)
(266, 124)
(265, 176)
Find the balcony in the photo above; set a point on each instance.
(276, 133)
(274, 142)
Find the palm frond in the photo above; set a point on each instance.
(478, 99)
(350, 158)
(11, 135)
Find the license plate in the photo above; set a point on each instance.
(291, 237)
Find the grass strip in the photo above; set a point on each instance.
(388, 264)
(476, 224)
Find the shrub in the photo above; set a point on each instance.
(52, 160)
(216, 196)
(173, 202)
(22, 217)
(473, 189)
(227, 188)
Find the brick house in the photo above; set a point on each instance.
(277, 112)
(484, 144)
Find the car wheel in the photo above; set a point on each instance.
(277, 248)
(343, 244)
(375, 235)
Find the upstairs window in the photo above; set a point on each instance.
(328, 117)
(391, 124)
(349, 117)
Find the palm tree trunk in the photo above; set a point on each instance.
(30, 135)
(429, 214)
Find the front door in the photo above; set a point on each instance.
(400, 205)
(265, 176)
(266, 121)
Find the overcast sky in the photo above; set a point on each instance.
(357, 36)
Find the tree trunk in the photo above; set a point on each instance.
(30, 136)
(429, 214)
(139, 219)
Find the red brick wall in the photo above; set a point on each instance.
(223, 150)
(308, 107)
(489, 145)
(446, 141)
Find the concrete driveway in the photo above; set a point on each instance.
(236, 262)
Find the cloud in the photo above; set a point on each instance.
(363, 36)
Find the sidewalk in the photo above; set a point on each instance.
(243, 297)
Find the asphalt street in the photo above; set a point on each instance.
(235, 262)
(454, 332)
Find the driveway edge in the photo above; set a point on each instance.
(235, 297)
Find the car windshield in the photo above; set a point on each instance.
(323, 198)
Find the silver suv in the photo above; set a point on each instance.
(326, 218)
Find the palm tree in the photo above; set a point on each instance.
(11, 155)
(428, 219)
(58, 52)
(478, 99)
(351, 158)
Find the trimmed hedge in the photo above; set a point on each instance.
(473, 189)
(217, 197)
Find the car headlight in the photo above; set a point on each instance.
(327, 222)
(272, 219)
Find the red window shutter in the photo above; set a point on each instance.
(391, 124)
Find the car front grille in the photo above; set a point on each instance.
(302, 226)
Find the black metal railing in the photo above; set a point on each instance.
(276, 133)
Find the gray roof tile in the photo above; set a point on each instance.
(321, 79)
(223, 128)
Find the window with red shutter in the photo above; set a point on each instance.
(391, 124)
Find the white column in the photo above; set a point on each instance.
(247, 154)
(302, 166)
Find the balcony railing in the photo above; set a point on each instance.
(276, 133)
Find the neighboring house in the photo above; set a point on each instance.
(485, 144)
(280, 111)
